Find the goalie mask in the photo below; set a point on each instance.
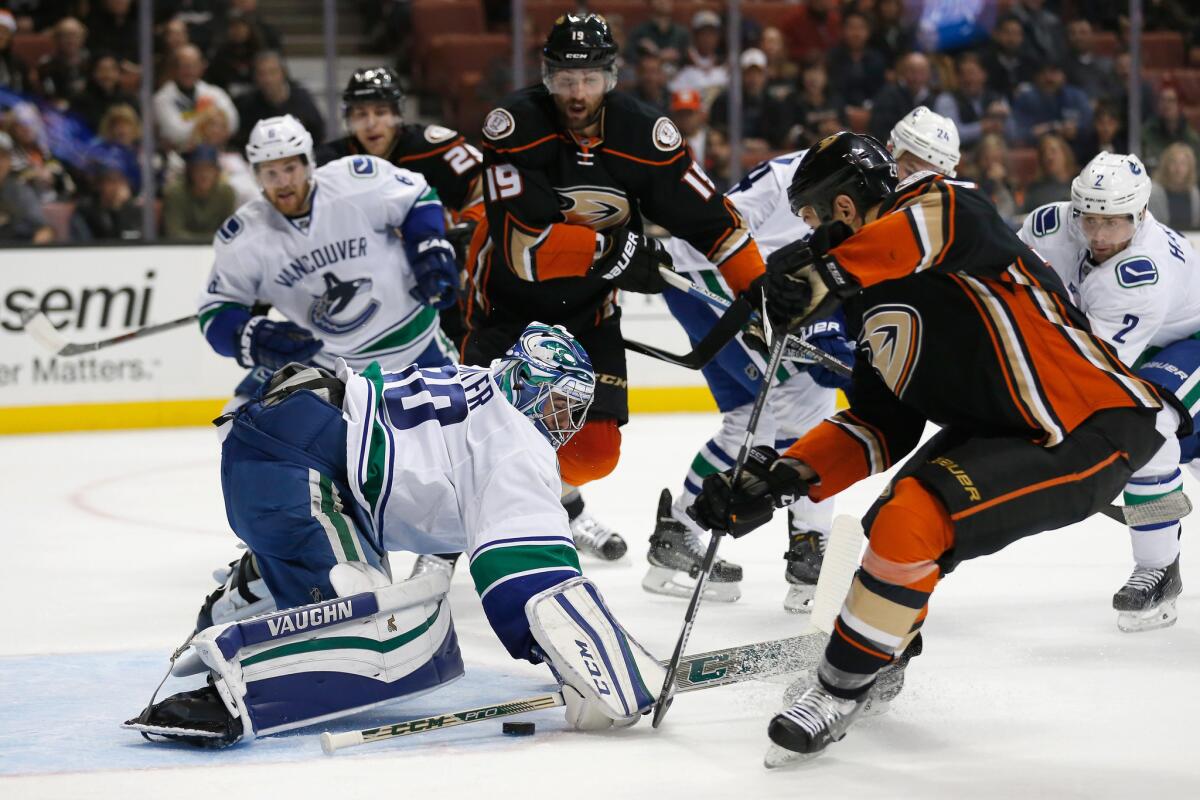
(548, 377)
(846, 163)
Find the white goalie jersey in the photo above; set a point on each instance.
(1147, 295)
(761, 198)
(444, 463)
(341, 272)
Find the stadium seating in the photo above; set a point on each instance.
(30, 47)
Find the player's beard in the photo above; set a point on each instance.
(579, 115)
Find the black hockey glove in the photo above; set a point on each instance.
(266, 343)
(803, 283)
(767, 482)
(631, 260)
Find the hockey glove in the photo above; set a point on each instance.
(767, 482)
(803, 285)
(829, 336)
(436, 272)
(630, 260)
(266, 343)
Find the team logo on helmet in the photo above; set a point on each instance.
(598, 207)
(828, 140)
(436, 133)
(344, 306)
(499, 123)
(666, 136)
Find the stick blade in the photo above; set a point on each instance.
(837, 571)
(1169, 508)
(42, 330)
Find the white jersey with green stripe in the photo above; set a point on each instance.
(341, 271)
(443, 462)
(761, 198)
(1146, 295)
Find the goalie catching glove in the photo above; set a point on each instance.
(767, 482)
(630, 260)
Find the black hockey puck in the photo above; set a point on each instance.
(519, 728)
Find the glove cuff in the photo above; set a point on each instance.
(425, 245)
(245, 348)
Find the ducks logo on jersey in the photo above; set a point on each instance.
(344, 306)
(597, 207)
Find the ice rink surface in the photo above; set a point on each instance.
(1026, 688)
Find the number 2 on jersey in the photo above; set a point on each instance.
(462, 157)
(1131, 321)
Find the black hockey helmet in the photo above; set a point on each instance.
(373, 85)
(846, 163)
(580, 41)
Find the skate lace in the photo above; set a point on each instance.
(1144, 579)
(815, 711)
(591, 531)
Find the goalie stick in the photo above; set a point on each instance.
(42, 330)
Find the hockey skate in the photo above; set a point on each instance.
(198, 718)
(242, 593)
(1147, 600)
(675, 548)
(426, 564)
(806, 728)
(597, 539)
(887, 687)
(806, 550)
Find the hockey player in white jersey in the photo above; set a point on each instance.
(326, 472)
(1138, 282)
(924, 141)
(803, 397)
(353, 254)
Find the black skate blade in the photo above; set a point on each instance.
(165, 730)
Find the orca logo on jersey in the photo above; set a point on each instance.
(342, 297)
(362, 166)
(892, 336)
(597, 207)
(1045, 220)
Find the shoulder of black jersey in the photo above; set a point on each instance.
(333, 150)
(523, 120)
(414, 139)
(639, 129)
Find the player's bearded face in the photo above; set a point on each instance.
(578, 93)
(374, 125)
(1106, 235)
(285, 183)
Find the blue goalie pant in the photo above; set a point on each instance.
(283, 473)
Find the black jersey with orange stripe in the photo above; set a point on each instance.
(549, 192)
(450, 163)
(960, 323)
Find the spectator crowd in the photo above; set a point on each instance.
(1035, 87)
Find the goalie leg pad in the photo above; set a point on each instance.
(607, 675)
(322, 661)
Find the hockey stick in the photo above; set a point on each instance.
(667, 693)
(796, 350)
(701, 671)
(735, 315)
(39, 326)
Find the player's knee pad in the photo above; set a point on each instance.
(330, 659)
(908, 535)
(592, 453)
(608, 677)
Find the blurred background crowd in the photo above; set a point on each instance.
(1036, 88)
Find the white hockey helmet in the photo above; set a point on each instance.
(928, 136)
(279, 137)
(1113, 185)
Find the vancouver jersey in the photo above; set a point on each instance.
(448, 161)
(761, 198)
(341, 273)
(443, 462)
(1147, 295)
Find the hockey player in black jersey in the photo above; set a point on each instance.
(571, 171)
